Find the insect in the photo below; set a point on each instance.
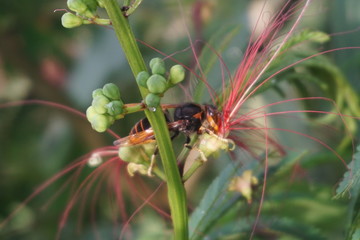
(188, 119)
(204, 120)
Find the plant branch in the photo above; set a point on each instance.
(176, 191)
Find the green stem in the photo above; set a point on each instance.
(159, 173)
(176, 191)
(195, 166)
(185, 151)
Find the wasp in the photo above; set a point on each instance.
(188, 119)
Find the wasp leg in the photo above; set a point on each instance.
(152, 164)
(187, 143)
(128, 10)
(153, 157)
(203, 158)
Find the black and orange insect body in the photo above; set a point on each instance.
(196, 118)
(205, 121)
(140, 149)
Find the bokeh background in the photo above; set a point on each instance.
(39, 59)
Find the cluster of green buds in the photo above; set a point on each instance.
(157, 83)
(105, 108)
(85, 13)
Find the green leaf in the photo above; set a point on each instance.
(351, 180)
(218, 42)
(306, 35)
(356, 235)
(350, 185)
(354, 230)
(284, 228)
(216, 200)
(300, 230)
(295, 49)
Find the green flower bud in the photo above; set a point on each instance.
(111, 119)
(152, 100)
(100, 123)
(141, 78)
(90, 113)
(91, 4)
(126, 153)
(86, 8)
(155, 60)
(132, 154)
(137, 153)
(177, 74)
(133, 168)
(149, 149)
(158, 68)
(210, 144)
(97, 92)
(77, 6)
(69, 20)
(115, 108)
(156, 84)
(111, 91)
(99, 103)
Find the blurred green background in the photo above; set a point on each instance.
(39, 59)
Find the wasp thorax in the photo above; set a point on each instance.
(191, 115)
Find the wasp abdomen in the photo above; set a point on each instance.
(144, 124)
(140, 126)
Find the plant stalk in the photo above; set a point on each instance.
(176, 191)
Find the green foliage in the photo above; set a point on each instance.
(314, 76)
(279, 228)
(219, 41)
(350, 187)
(220, 214)
(303, 37)
(297, 203)
(298, 47)
(214, 203)
(351, 180)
